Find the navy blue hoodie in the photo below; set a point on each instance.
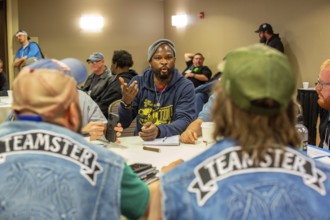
(176, 110)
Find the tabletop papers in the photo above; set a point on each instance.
(166, 141)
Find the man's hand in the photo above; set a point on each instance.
(19, 62)
(128, 92)
(193, 131)
(189, 137)
(95, 129)
(149, 131)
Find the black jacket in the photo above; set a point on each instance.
(112, 91)
(275, 42)
(3, 84)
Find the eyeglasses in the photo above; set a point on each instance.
(93, 62)
(321, 84)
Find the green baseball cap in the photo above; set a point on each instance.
(257, 72)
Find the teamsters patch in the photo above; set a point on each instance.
(234, 161)
(51, 144)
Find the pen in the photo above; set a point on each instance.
(164, 139)
(151, 149)
(319, 157)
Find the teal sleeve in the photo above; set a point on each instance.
(134, 195)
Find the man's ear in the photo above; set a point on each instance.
(73, 117)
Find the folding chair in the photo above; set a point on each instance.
(113, 109)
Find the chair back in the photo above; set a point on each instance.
(129, 131)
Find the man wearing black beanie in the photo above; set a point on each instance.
(160, 98)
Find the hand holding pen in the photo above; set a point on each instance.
(149, 131)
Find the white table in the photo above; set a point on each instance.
(5, 108)
(319, 154)
(131, 149)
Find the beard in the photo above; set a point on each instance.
(263, 40)
(324, 102)
(168, 72)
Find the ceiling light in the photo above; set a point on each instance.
(91, 23)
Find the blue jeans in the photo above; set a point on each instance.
(200, 99)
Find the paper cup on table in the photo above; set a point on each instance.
(207, 133)
(305, 85)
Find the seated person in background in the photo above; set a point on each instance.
(195, 71)
(161, 98)
(48, 164)
(3, 80)
(203, 92)
(323, 90)
(27, 50)
(122, 62)
(254, 171)
(97, 81)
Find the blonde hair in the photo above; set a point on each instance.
(325, 64)
(254, 133)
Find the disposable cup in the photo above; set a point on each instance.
(207, 132)
(305, 85)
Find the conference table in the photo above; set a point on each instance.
(5, 108)
(131, 149)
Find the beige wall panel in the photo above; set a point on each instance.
(129, 24)
(302, 25)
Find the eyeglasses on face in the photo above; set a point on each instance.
(93, 62)
(321, 84)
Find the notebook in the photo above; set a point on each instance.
(166, 141)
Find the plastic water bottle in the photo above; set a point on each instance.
(303, 132)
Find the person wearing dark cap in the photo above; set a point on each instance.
(161, 98)
(27, 50)
(48, 170)
(96, 82)
(268, 37)
(255, 170)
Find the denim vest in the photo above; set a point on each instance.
(49, 172)
(224, 183)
